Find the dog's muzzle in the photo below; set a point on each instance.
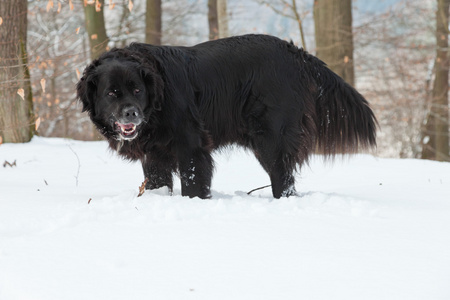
(130, 119)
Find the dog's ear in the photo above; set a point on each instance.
(154, 83)
(87, 86)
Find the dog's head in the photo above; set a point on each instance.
(120, 91)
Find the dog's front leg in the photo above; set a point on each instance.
(158, 170)
(196, 168)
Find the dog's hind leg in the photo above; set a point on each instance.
(279, 161)
(280, 145)
(280, 167)
(282, 177)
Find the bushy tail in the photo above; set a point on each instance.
(344, 121)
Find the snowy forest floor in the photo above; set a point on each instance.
(72, 227)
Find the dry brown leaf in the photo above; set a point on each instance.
(130, 5)
(21, 93)
(70, 5)
(78, 73)
(43, 85)
(98, 6)
(142, 187)
(1, 20)
(346, 59)
(59, 7)
(49, 5)
(37, 123)
(1, 140)
(77, 30)
(94, 36)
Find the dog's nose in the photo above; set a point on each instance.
(130, 114)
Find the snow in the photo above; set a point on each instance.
(361, 228)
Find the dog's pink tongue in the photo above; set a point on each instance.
(126, 126)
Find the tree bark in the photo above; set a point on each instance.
(212, 20)
(436, 144)
(95, 27)
(98, 40)
(334, 37)
(16, 102)
(222, 17)
(153, 22)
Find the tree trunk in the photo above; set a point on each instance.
(153, 22)
(436, 144)
(222, 18)
(334, 37)
(95, 27)
(16, 102)
(98, 40)
(212, 20)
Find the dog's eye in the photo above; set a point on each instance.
(137, 91)
(112, 94)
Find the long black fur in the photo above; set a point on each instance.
(256, 91)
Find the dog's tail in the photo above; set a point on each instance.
(344, 121)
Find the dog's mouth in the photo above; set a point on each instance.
(127, 131)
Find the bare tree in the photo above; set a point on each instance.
(222, 17)
(436, 135)
(289, 9)
(96, 30)
(395, 50)
(212, 20)
(153, 22)
(334, 37)
(16, 104)
(56, 49)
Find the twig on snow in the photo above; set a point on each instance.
(142, 187)
(79, 164)
(7, 163)
(260, 188)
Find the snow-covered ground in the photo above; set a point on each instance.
(361, 228)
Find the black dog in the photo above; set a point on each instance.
(169, 107)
